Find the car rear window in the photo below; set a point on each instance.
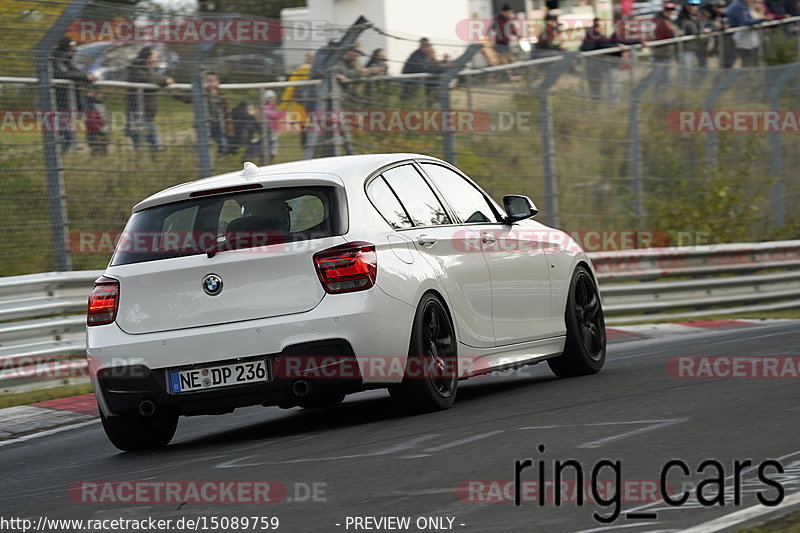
(229, 222)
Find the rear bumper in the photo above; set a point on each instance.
(370, 322)
(122, 389)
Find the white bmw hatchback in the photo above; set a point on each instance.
(296, 284)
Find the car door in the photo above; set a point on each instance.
(517, 263)
(424, 220)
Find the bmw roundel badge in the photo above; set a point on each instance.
(212, 284)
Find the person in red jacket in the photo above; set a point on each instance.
(504, 29)
(665, 29)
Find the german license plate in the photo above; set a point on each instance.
(214, 377)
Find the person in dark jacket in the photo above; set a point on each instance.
(141, 105)
(68, 98)
(550, 37)
(695, 53)
(422, 60)
(218, 115)
(246, 128)
(716, 21)
(601, 69)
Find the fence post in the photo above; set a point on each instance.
(547, 137)
(726, 80)
(636, 151)
(443, 88)
(46, 103)
(775, 140)
(205, 157)
(325, 91)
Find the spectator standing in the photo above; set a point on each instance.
(549, 38)
(665, 29)
(218, 114)
(272, 121)
(716, 21)
(504, 29)
(349, 68)
(695, 53)
(141, 105)
(294, 102)
(65, 69)
(601, 70)
(746, 42)
(246, 129)
(97, 129)
(422, 60)
(376, 65)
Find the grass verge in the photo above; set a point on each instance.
(26, 398)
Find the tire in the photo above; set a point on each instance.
(321, 399)
(585, 347)
(431, 379)
(132, 433)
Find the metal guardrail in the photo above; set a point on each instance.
(43, 327)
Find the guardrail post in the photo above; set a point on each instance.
(775, 140)
(636, 152)
(725, 81)
(46, 103)
(547, 137)
(443, 87)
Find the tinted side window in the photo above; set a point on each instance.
(416, 196)
(467, 201)
(387, 204)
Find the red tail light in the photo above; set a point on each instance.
(347, 268)
(103, 302)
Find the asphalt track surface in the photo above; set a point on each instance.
(372, 461)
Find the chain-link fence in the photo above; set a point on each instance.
(607, 140)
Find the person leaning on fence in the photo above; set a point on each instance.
(747, 42)
(246, 129)
(694, 53)
(549, 39)
(665, 28)
(601, 69)
(714, 18)
(422, 60)
(141, 105)
(65, 69)
(349, 69)
(503, 28)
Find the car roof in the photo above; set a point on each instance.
(343, 170)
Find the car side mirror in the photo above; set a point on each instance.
(518, 208)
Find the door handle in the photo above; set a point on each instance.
(426, 240)
(488, 238)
